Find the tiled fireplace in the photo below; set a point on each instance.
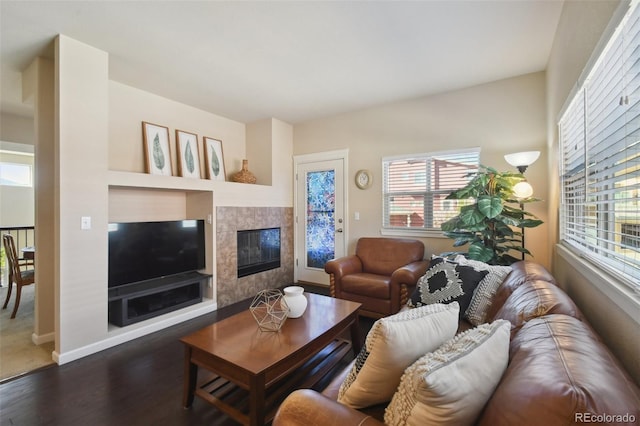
(230, 220)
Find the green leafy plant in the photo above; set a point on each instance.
(491, 223)
(158, 156)
(188, 155)
(215, 163)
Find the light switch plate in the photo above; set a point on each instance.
(85, 222)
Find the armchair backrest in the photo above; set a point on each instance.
(384, 255)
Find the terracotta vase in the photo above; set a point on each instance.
(244, 175)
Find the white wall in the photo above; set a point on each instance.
(129, 107)
(270, 149)
(611, 311)
(259, 147)
(580, 28)
(501, 117)
(99, 142)
(15, 128)
(82, 116)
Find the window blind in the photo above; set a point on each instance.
(600, 164)
(415, 187)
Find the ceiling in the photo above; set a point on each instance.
(292, 60)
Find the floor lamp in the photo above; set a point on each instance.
(522, 190)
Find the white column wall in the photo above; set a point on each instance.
(82, 136)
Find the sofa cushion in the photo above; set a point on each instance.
(446, 282)
(451, 385)
(392, 344)
(521, 272)
(535, 299)
(558, 371)
(482, 298)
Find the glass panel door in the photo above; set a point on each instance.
(321, 208)
(319, 218)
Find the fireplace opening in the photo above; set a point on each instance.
(258, 251)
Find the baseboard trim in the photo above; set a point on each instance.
(43, 338)
(132, 332)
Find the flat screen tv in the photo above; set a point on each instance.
(140, 251)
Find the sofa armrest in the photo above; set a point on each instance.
(559, 372)
(306, 407)
(338, 268)
(403, 282)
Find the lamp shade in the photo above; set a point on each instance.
(522, 189)
(525, 158)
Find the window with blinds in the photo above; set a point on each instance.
(600, 158)
(415, 188)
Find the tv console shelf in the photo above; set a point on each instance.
(147, 299)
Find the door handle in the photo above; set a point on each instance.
(339, 230)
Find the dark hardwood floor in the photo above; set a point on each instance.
(136, 383)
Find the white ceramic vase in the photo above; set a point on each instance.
(297, 302)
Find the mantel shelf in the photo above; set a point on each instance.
(144, 180)
(226, 193)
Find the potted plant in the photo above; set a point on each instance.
(493, 223)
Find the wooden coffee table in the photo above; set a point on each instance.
(246, 372)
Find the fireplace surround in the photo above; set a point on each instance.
(229, 220)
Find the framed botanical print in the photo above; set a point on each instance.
(188, 157)
(214, 159)
(156, 149)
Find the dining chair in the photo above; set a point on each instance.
(17, 274)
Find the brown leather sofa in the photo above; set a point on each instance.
(381, 274)
(559, 372)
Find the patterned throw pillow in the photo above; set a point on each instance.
(451, 385)
(446, 282)
(476, 313)
(394, 343)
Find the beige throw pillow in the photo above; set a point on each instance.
(394, 343)
(451, 385)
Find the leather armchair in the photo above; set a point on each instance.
(381, 274)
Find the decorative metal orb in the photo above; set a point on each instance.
(269, 309)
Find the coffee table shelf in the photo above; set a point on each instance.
(234, 400)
